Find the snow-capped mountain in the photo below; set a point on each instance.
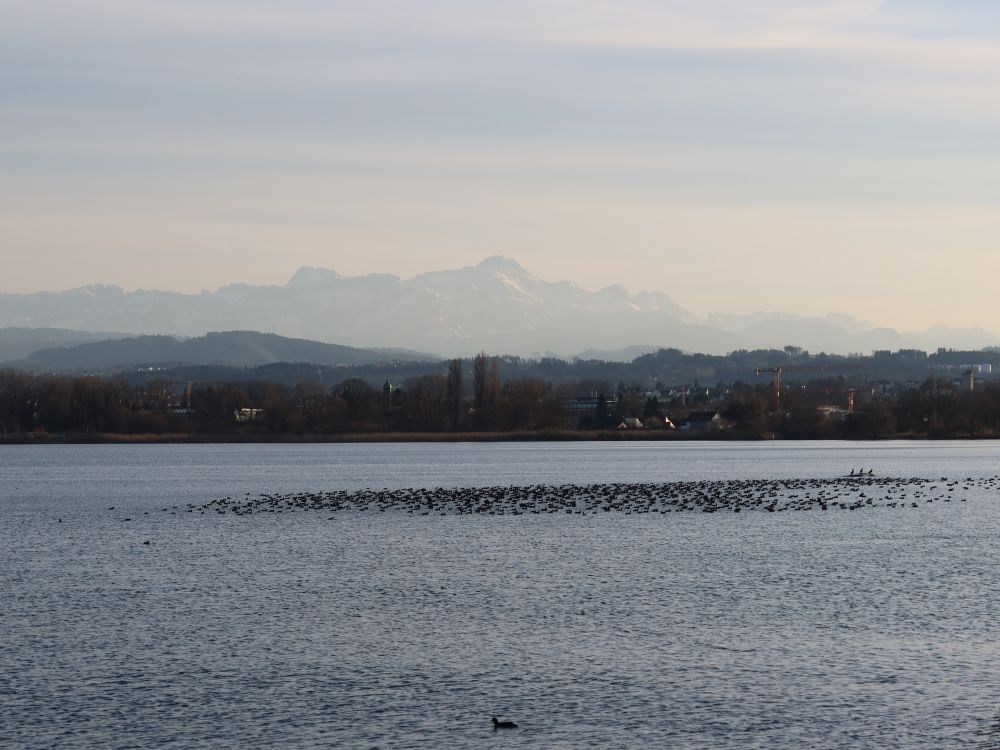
(497, 306)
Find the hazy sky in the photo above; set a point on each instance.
(798, 155)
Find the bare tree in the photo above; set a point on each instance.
(425, 398)
(454, 395)
(361, 400)
(486, 389)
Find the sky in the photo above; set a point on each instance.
(807, 156)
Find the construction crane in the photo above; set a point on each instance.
(777, 383)
(811, 368)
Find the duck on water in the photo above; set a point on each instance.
(503, 724)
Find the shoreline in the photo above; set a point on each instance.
(431, 437)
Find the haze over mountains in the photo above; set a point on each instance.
(497, 306)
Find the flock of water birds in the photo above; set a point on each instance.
(851, 492)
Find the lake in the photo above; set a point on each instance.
(867, 629)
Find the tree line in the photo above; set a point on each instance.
(475, 397)
(427, 403)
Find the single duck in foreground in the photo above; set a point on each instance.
(503, 724)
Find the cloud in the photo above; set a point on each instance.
(921, 33)
(396, 132)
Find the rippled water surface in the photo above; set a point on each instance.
(867, 629)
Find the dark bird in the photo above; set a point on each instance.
(503, 724)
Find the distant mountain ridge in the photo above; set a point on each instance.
(228, 348)
(17, 343)
(497, 306)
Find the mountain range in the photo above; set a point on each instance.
(497, 306)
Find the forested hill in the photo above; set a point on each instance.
(18, 342)
(250, 356)
(229, 348)
(667, 367)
